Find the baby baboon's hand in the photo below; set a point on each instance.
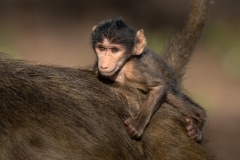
(134, 128)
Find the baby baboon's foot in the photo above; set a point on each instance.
(193, 131)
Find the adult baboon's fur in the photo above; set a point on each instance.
(49, 112)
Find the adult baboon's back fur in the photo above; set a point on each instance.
(50, 112)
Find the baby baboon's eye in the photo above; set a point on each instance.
(114, 50)
(101, 48)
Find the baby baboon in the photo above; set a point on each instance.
(122, 57)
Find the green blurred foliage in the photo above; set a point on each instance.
(157, 39)
(7, 31)
(224, 39)
(222, 35)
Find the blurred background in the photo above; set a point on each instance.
(57, 32)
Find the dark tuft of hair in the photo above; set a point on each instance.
(116, 31)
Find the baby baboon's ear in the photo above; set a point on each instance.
(94, 27)
(140, 42)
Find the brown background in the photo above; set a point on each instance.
(58, 32)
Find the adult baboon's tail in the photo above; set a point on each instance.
(179, 50)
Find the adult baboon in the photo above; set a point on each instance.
(50, 112)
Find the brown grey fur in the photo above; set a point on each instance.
(49, 112)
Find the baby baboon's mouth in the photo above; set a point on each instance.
(108, 73)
